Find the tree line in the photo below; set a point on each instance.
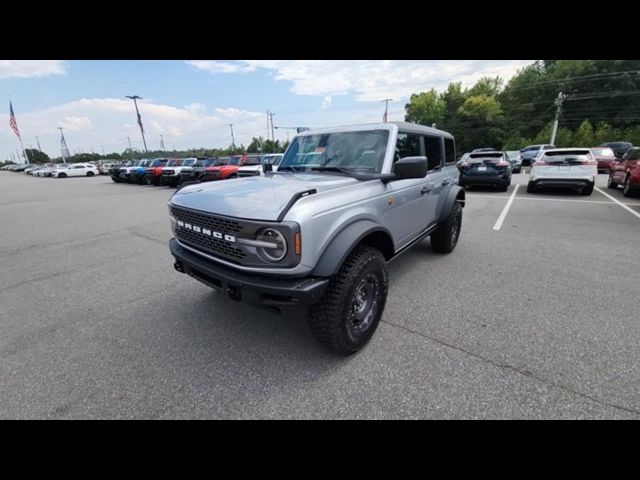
(602, 105)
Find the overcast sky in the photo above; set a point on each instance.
(191, 103)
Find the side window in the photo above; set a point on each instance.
(407, 145)
(433, 150)
(449, 150)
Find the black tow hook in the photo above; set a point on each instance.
(179, 267)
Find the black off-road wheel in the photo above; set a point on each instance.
(117, 180)
(611, 184)
(90, 174)
(445, 238)
(587, 190)
(531, 187)
(62, 175)
(348, 313)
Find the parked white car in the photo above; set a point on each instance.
(564, 168)
(76, 170)
(272, 159)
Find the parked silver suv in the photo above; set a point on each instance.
(319, 232)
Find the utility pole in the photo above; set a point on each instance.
(386, 108)
(64, 147)
(161, 143)
(273, 136)
(268, 125)
(130, 147)
(38, 140)
(103, 154)
(558, 102)
(233, 140)
(135, 98)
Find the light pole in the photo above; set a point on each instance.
(135, 99)
(130, 147)
(38, 140)
(386, 107)
(233, 141)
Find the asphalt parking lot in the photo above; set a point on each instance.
(534, 315)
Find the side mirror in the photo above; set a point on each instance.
(267, 167)
(410, 167)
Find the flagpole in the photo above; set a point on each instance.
(24, 151)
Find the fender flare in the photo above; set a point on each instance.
(456, 193)
(342, 244)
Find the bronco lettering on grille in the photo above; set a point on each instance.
(206, 231)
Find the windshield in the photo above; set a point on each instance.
(189, 162)
(252, 160)
(271, 159)
(351, 151)
(512, 155)
(603, 152)
(234, 161)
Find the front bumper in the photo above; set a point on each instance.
(257, 290)
(171, 180)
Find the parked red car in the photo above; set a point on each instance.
(230, 169)
(627, 173)
(605, 157)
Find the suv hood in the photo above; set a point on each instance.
(255, 198)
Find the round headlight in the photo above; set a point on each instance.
(279, 249)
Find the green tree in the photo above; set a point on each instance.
(489, 86)
(603, 133)
(565, 138)
(481, 107)
(584, 136)
(36, 156)
(425, 108)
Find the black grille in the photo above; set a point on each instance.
(205, 242)
(209, 244)
(167, 172)
(211, 222)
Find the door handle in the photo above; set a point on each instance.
(425, 190)
(446, 182)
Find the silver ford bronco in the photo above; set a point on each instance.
(318, 233)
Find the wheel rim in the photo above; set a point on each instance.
(455, 228)
(364, 304)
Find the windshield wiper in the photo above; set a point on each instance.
(331, 169)
(290, 168)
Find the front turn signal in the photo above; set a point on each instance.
(297, 243)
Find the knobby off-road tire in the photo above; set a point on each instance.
(348, 313)
(445, 238)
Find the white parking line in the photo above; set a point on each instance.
(618, 202)
(552, 199)
(506, 208)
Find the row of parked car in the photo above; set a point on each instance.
(175, 172)
(57, 170)
(552, 167)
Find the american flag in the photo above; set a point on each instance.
(140, 122)
(12, 121)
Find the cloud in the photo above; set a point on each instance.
(92, 122)
(371, 80)
(214, 66)
(31, 68)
